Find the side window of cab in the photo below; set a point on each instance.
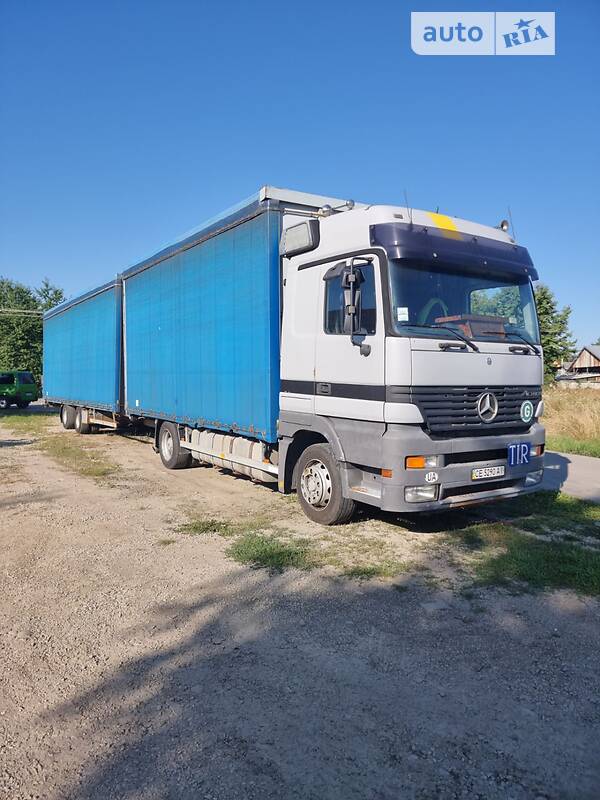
(337, 296)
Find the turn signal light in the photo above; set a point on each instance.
(422, 462)
(386, 473)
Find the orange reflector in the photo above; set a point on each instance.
(415, 462)
(386, 473)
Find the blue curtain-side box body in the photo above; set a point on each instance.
(82, 350)
(201, 324)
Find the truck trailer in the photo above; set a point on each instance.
(352, 353)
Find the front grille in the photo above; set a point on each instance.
(453, 409)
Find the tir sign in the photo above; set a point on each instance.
(519, 454)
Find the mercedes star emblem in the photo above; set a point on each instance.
(487, 407)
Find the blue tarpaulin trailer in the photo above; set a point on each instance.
(201, 323)
(190, 335)
(82, 350)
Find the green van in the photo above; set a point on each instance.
(17, 387)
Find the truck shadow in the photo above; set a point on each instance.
(556, 471)
(260, 686)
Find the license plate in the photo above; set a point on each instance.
(487, 472)
(519, 453)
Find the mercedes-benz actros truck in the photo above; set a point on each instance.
(351, 353)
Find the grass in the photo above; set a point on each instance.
(78, 454)
(386, 569)
(207, 526)
(552, 512)
(572, 420)
(567, 444)
(500, 555)
(83, 459)
(535, 541)
(270, 552)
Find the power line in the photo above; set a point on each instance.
(17, 312)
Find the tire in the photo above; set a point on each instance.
(67, 417)
(22, 403)
(80, 425)
(319, 487)
(4, 403)
(172, 455)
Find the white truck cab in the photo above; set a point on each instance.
(411, 367)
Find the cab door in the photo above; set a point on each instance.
(350, 340)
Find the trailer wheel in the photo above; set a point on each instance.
(80, 425)
(67, 417)
(320, 487)
(172, 455)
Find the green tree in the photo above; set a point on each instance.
(557, 340)
(21, 333)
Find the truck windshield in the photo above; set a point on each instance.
(479, 306)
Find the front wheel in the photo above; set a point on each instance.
(172, 455)
(320, 487)
(4, 403)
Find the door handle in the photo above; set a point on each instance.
(452, 346)
(323, 388)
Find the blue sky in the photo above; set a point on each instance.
(125, 124)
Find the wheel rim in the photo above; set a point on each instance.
(167, 445)
(315, 484)
(63, 415)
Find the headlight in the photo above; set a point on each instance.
(420, 494)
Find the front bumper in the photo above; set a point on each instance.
(457, 456)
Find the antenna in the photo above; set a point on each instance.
(409, 209)
(512, 224)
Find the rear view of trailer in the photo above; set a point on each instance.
(201, 326)
(82, 350)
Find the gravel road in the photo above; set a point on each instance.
(132, 668)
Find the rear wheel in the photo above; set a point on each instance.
(67, 417)
(22, 403)
(80, 425)
(172, 455)
(320, 487)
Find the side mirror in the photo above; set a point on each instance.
(351, 281)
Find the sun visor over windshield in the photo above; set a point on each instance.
(477, 253)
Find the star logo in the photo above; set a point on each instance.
(524, 23)
(487, 407)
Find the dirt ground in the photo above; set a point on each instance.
(137, 661)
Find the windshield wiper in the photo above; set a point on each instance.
(445, 328)
(518, 335)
